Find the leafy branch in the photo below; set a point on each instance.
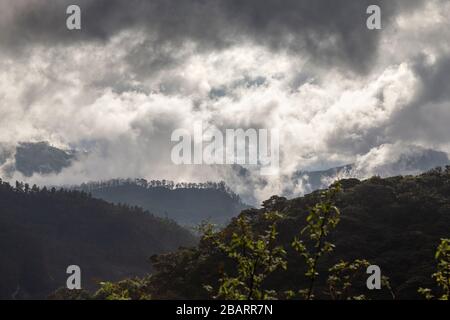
(321, 220)
(442, 275)
(256, 256)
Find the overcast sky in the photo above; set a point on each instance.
(137, 70)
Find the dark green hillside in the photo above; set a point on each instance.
(395, 223)
(44, 231)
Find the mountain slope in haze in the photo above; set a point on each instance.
(395, 223)
(320, 179)
(186, 203)
(29, 158)
(42, 232)
(385, 161)
(41, 158)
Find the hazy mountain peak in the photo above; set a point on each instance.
(29, 158)
(386, 160)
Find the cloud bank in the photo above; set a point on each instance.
(138, 70)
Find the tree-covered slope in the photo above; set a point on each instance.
(186, 203)
(44, 231)
(395, 223)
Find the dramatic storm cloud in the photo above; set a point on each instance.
(338, 92)
(330, 31)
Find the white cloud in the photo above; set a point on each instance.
(95, 96)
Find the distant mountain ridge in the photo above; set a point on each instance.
(386, 160)
(187, 203)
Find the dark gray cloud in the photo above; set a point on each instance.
(434, 79)
(332, 32)
(427, 117)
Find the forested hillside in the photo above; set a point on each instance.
(395, 223)
(44, 231)
(187, 203)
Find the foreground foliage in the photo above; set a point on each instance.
(442, 275)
